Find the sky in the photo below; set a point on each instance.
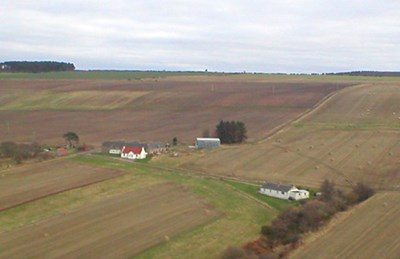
(271, 36)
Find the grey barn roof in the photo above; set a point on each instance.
(155, 145)
(113, 144)
(277, 187)
(120, 144)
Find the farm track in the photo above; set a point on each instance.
(307, 113)
(322, 144)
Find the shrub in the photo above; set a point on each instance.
(362, 192)
(328, 190)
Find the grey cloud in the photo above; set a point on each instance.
(268, 36)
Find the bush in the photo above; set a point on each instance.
(328, 190)
(19, 152)
(362, 192)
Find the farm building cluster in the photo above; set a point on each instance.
(286, 192)
(133, 150)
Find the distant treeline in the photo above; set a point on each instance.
(35, 66)
(366, 73)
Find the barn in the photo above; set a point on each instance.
(208, 143)
(112, 147)
(286, 192)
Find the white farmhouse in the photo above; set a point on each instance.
(133, 153)
(287, 192)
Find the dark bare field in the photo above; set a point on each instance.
(35, 181)
(150, 109)
(118, 227)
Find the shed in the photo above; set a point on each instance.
(112, 147)
(208, 143)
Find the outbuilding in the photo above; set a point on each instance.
(286, 192)
(112, 147)
(208, 143)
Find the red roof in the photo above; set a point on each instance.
(134, 150)
(62, 151)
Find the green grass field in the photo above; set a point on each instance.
(252, 189)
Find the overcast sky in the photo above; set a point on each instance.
(290, 36)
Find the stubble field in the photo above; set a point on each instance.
(34, 181)
(353, 137)
(151, 213)
(369, 231)
(118, 227)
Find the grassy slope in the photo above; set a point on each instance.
(252, 190)
(241, 221)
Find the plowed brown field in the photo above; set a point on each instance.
(34, 181)
(371, 230)
(151, 109)
(118, 227)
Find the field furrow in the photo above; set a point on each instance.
(31, 182)
(118, 227)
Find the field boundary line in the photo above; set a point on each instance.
(280, 128)
(251, 197)
(201, 174)
(188, 171)
(58, 192)
(328, 98)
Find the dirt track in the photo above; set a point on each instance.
(118, 227)
(34, 181)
